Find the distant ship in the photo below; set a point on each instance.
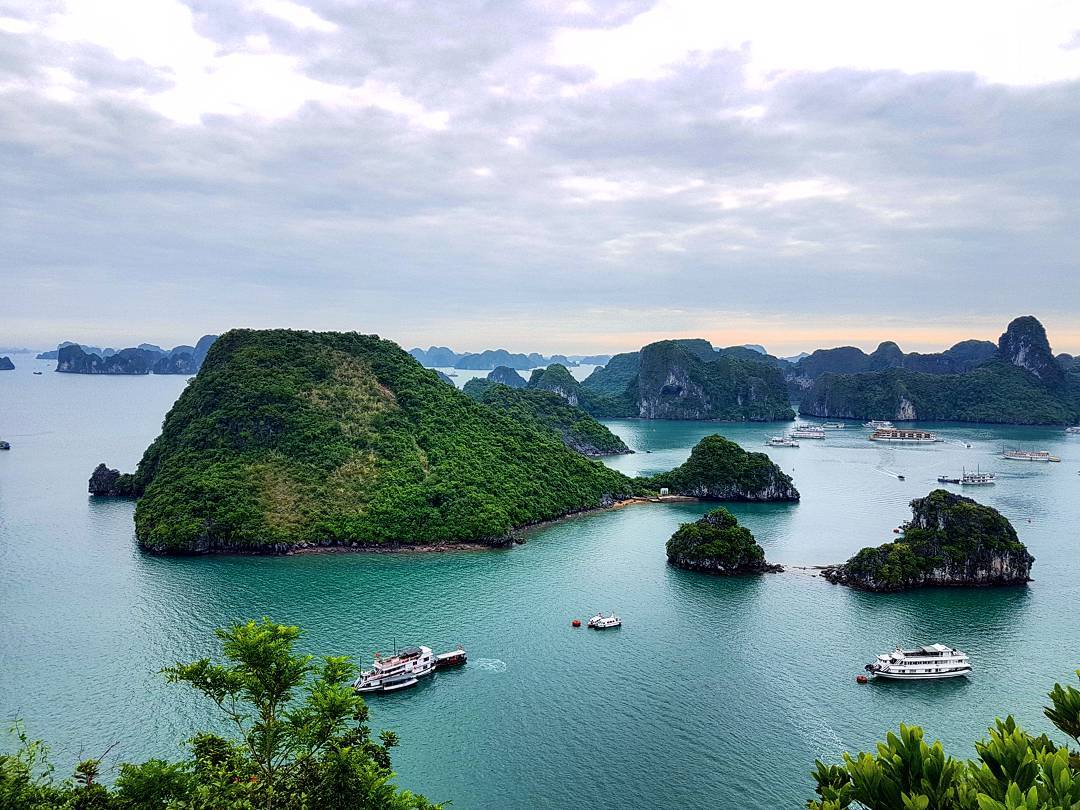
(877, 424)
(781, 441)
(1028, 455)
(834, 426)
(1075, 429)
(907, 435)
(807, 432)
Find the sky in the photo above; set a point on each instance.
(541, 176)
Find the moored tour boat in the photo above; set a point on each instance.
(906, 435)
(403, 669)
(1075, 430)
(948, 479)
(834, 425)
(807, 432)
(922, 663)
(878, 424)
(602, 622)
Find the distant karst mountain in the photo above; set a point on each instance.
(442, 357)
(6, 364)
(1018, 381)
(146, 358)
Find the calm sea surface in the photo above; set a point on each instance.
(715, 692)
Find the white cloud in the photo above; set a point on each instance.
(1007, 43)
(205, 78)
(296, 15)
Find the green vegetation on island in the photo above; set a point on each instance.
(298, 738)
(290, 438)
(950, 540)
(719, 545)
(578, 431)
(718, 469)
(1013, 770)
(1023, 383)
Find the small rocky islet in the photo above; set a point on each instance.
(950, 540)
(717, 544)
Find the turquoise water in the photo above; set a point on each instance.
(715, 692)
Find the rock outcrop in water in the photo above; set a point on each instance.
(6, 364)
(950, 540)
(1022, 384)
(111, 483)
(717, 544)
(720, 470)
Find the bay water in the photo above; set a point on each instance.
(715, 692)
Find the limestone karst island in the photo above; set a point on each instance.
(539, 405)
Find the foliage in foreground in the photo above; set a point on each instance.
(1013, 770)
(299, 741)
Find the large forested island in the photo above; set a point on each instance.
(293, 439)
(1019, 381)
(950, 540)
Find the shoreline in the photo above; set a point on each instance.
(516, 536)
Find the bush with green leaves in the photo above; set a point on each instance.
(299, 741)
(1013, 770)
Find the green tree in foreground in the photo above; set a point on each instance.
(300, 741)
(1013, 771)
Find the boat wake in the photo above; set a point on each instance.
(488, 665)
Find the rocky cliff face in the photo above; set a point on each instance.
(557, 379)
(6, 364)
(950, 540)
(720, 470)
(682, 380)
(175, 363)
(1022, 384)
(504, 375)
(73, 360)
(717, 544)
(146, 358)
(1024, 344)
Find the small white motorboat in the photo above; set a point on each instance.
(602, 622)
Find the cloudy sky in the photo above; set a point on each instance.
(552, 176)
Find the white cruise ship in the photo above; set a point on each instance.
(877, 424)
(402, 670)
(807, 432)
(922, 663)
(906, 435)
(781, 441)
(1028, 455)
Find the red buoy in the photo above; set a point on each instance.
(861, 679)
(576, 623)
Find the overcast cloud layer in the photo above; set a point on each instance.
(540, 175)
